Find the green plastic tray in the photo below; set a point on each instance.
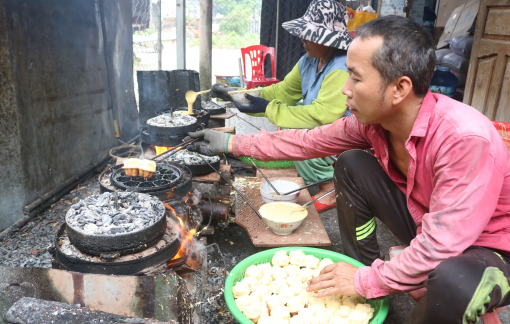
(237, 274)
(268, 164)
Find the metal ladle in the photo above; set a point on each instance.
(269, 182)
(191, 97)
(305, 206)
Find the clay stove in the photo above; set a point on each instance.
(173, 248)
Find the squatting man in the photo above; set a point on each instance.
(440, 181)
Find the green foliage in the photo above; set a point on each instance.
(237, 20)
(224, 7)
(233, 27)
(234, 40)
(147, 31)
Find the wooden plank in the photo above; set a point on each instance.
(225, 170)
(488, 79)
(226, 115)
(310, 233)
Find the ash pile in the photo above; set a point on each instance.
(191, 158)
(172, 120)
(114, 213)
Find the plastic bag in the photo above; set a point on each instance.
(358, 18)
(441, 53)
(461, 45)
(456, 62)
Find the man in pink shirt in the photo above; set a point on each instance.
(440, 182)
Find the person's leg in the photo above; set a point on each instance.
(364, 190)
(316, 170)
(463, 288)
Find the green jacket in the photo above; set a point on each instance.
(325, 109)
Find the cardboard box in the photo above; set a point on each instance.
(460, 21)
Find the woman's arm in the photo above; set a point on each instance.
(328, 107)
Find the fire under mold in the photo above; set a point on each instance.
(99, 214)
(167, 120)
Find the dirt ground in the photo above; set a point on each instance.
(27, 247)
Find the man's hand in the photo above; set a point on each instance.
(336, 278)
(257, 105)
(221, 90)
(211, 142)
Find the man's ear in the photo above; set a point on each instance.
(403, 87)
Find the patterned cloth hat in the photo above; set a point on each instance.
(324, 23)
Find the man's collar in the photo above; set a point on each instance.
(421, 123)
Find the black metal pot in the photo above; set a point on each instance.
(165, 177)
(99, 265)
(203, 169)
(96, 244)
(161, 139)
(165, 132)
(176, 192)
(201, 115)
(213, 108)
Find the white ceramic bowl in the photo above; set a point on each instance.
(238, 96)
(282, 227)
(282, 186)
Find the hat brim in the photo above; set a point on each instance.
(301, 28)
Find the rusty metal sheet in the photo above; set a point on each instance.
(158, 297)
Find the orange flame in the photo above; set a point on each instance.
(161, 149)
(186, 236)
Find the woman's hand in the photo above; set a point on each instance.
(336, 278)
(258, 105)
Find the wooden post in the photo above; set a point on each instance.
(205, 45)
(160, 44)
(181, 33)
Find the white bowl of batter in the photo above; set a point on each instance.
(279, 218)
(269, 195)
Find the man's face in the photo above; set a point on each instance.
(365, 97)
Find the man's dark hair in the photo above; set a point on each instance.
(407, 50)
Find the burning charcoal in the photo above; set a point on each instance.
(106, 220)
(167, 120)
(137, 212)
(116, 230)
(90, 228)
(102, 200)
(191, 158)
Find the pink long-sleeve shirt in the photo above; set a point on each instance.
(457, 186)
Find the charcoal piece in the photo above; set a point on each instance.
(131, 206)
(32, 310)
(116, 230)
(167, 120)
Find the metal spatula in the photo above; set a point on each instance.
(305, 206)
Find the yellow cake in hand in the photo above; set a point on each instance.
(147, 168)
(131, 167)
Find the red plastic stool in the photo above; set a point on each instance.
(257, 55)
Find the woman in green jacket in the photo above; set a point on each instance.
(317, 79)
